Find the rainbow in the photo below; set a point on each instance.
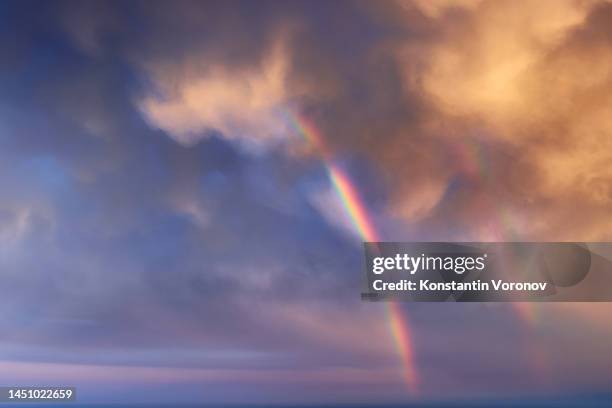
(471, 156)
(340, 181)
(357, 212)
(400, 331)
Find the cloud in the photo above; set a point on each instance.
(330, 206)
(515, 113)
(480, 64)
(436, 8)
(199, 97)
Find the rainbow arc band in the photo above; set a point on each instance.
(361, 222)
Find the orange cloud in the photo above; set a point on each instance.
(532, 80)
(200, 96)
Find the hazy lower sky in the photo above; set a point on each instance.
(166, 233)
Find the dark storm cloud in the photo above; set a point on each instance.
(117, 238)
(110, 244)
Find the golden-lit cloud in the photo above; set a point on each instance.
(435, 8)
(483, 62)
(200, 96)
(530, 80)
(507, 99)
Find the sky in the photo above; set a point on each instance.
(174, 224)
